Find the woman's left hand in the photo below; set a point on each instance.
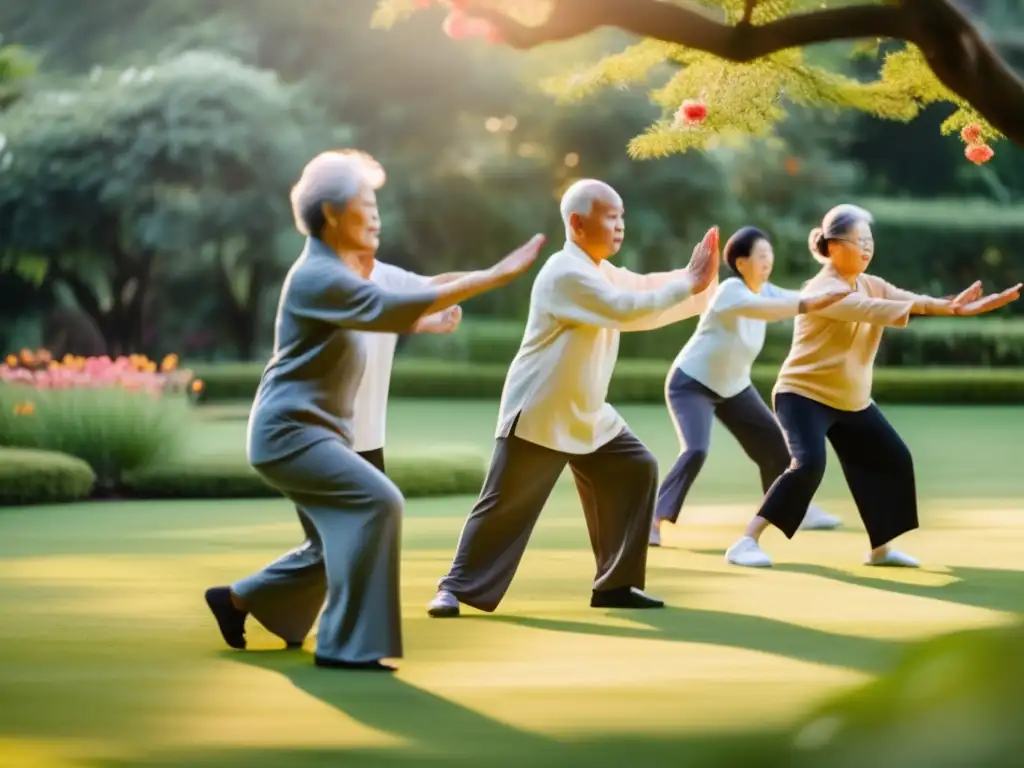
(989, 303)
(973, 293)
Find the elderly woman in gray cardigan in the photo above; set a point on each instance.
(300, 429)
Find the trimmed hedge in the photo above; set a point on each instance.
(643, 381)
(996, 342)
(416, 476)
(29, 476)
(927, 341)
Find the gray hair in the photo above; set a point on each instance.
(581, 196)
(334, 178)
(837, 222)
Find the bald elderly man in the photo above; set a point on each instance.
(554, 412)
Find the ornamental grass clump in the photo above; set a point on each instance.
(118, 415)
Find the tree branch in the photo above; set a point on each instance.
(748, 11)
(951, 44)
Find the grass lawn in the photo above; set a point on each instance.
(108, 658)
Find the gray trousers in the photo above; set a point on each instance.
(694, 408)
(617, 486)
(351, 515)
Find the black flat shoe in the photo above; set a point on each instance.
(356, 666)
(624, 597)
(230, 620)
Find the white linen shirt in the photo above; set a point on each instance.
(730, 334)
(557, 385)
(371, 403)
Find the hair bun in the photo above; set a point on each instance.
(816, 242)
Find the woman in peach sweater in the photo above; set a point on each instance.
(824, 391)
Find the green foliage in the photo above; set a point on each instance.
(187, 161)
(113, 430)
(744, 99)
(30, 476)
(452, 474)
(641, 381)
(953, 701)
(15, 64)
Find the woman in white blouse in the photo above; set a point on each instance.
(711, 377)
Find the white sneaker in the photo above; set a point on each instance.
(748, 553)
(817, 519)
(893, 558)
(655, 538)
(445, 605)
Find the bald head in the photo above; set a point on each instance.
(592, 212)
(581, 196)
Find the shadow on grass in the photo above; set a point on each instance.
(989, 588)
(721, 751)
(388, 704)
(439, 732)
(734, 630)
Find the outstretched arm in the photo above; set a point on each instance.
(587, 297)
(351, 302)
(445, 278)
(691, 306)
(348, 301)
(772, 304)
(969, 303)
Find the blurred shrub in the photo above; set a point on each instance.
(29, 476)
(954, 701)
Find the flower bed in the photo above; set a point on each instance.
(117, 415)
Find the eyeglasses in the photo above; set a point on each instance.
(862, 242)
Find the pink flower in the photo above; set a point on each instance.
(971, 133)
(459, 25)
(979, 153)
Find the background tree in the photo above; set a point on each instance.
(157, 173)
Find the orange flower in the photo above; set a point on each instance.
(792, 166)
(979, 153)
(24, 409)
(27, 357)
(971, 133)
(12, 361)
(43, 356)
(197, 385)
(169, 363)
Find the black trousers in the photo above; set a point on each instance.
(375, 457)
(617, 485)
(694, 408)
(876, 463)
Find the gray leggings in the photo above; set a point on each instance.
(693, 407)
